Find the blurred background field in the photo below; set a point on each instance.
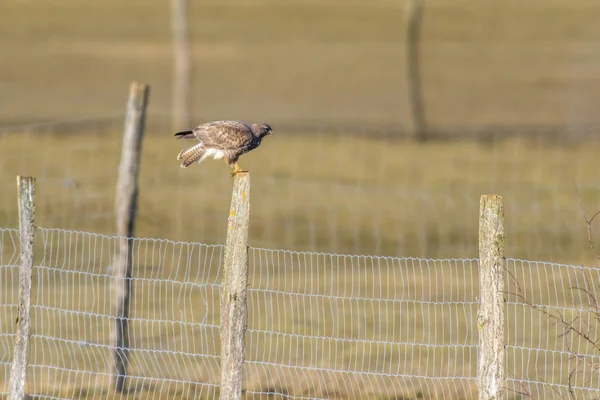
(329, 194)
(510, 91)
(330, 77)
(334, 63)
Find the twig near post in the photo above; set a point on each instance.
(182, 69)
(126, 208)
(413, 65)
(588, 223)
(490, 316)
(234, 312)
(18, 370)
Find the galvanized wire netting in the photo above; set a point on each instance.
(552, 329)
(320, 325)
(327, 325)
(9, 272)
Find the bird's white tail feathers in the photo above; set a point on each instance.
(191, 155)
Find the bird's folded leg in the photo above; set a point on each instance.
(237, 170)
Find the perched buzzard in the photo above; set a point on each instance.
(222, 139)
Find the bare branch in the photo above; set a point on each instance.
(575, 327)
(571, 375)
(594, 216)
(522, 391)
(588, 222)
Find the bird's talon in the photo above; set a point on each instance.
(234, 173)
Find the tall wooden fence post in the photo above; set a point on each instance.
(18, 370)
(234, 312)
(490, 316)
(126, 208)
(413, 66)
(182, 69)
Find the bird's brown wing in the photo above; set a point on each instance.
(224, 135)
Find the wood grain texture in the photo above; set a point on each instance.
(18, 371)
(490, 316)
(234, 313)
(126, 209)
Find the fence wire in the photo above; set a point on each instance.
(173, 324)
(320, 326)
(326, 326)
(553, 323)
(9, 278)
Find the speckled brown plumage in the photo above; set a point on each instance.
(191, 155)
(222, 139)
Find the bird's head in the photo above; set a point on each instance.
(261, 130)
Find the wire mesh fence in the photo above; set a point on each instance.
(552, 330)
(326, 326)
(9, 272)
(172, 327)
(320, 325)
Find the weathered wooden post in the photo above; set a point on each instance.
(490, 316)
(126, 208)
(413, 66)
(234, 312)
(182, 68)
(18, 370)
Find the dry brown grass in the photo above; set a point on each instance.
(504, 63)
(338, 63)
(330, 193)
(347, 194)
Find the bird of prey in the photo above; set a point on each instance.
(222, 139)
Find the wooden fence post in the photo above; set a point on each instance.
(490, 316)
(182, 69)
(413, 66)
(18, 370)
(234, 312)
(126, 209)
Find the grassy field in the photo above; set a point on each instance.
(505, 63)
(331, 193)
(334, 193)
(336, 67)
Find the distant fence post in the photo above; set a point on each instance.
(413, 66)
(182, 69)
(490, 316)
(126, 209)
(234, 312)
(18, 370)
